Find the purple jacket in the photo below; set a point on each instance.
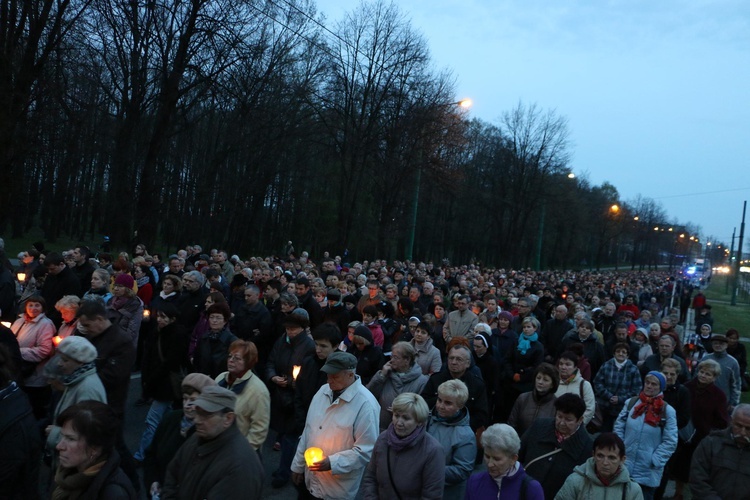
(482, 487)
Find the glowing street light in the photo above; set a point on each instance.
(614, 208)
(465, 103)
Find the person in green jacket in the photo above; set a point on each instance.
(603, 476)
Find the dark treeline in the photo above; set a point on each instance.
(244, 124)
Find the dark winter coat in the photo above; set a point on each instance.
(552, 471)
(477, 404)
(20, 446)
(212, 351)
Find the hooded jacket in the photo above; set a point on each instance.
(584, 484)
(386, 388)
(460, 448)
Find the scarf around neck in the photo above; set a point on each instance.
(651, 406)
(401, 443)
(524, 342)
(72, 484)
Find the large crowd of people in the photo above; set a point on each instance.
(369, 379)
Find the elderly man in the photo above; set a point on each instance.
(729, 379)
(459, 361)
(553, 333)
(666, 347)
(193, 298)
(461, 322)
(216, 461)
(721, 463)
(342, 420)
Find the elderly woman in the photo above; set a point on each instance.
(427, 355)
(34, 332)
(571, 381)
(505, 477)
(538, 402)
(74, 370)
(165, 363)
(400, 374)
(253, 407)
(99, 286)
(708, 411)
(211, 353)
(407, 462)
(89, 465)
(617, 381)
(68, 307)
(449, 424)
(648, 426)
(125, 308)
(173, 430)
(552, 447)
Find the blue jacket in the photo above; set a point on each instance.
(481, 486)
(460, 447)
(648, 448)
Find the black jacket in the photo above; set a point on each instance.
(552, 471)
(55, 287)
(115, 358)
(553, 333)
(158, 364)
(479, 415)
(20, 446)
(210, 357)
(110, 483)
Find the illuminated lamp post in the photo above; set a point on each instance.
(464, 104)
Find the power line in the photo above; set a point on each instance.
(698, 194)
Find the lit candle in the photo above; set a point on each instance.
(6, 324)
(56, 340)
(313, 455)
(295, 371)
(21, 277)
(146, 313)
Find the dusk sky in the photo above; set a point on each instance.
(657, 94)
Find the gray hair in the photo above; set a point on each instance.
(197, 275)
(710, 365)
(68, 302)
(289, 299)
(404, 348)
(741, 408)
(501, 438)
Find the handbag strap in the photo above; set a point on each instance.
(390, 474)
(557, 450)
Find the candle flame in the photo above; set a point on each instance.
(56, 340)
(313, 455)
(146, 313)
(295, 371)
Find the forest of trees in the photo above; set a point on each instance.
(243, 124)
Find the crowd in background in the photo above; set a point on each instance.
(461, 363)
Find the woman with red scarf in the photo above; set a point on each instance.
(648, 426)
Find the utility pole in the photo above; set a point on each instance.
(731, 251)
(739, 256)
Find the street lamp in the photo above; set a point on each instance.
(463, 104)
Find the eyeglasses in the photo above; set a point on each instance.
(234, 357)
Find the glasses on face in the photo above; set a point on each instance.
(396, 357)
(216, 317)
(234, 357)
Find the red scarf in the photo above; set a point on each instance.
(651, 406)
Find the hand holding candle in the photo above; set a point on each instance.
(313, 456)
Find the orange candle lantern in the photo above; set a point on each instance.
(295, 371)
(313, 455)
(21, 277)
(56, 340)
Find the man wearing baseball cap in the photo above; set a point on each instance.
(342, 421)
(216, 461)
